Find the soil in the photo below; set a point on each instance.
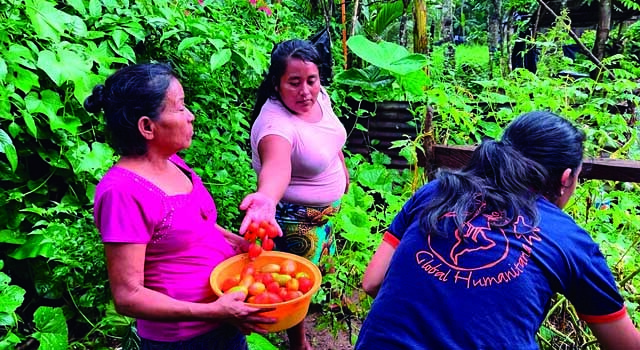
(321, 336)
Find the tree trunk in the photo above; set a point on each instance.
(420, 39)
(604, 26)
(447, 35)
(403, 23)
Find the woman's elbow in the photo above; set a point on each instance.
(370, 288)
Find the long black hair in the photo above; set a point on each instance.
(280, 55)
(509, 175)
(127, 95)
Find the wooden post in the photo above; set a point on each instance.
(592, 168)
(420, 39)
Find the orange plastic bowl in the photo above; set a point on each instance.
(288, 313)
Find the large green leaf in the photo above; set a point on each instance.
(52, 328)
(66, 64)
(258, 342)
(99, 157)
(47, 21)
(11, 297)
(7, 147)
(388, 13)
(78, 5)
(386, 55)
(9, 341)
(189, 43)
(3, 69)
(37, 244)
(219, 58)
(49, 104)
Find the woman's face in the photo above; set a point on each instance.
(299, 85)
(173, 129)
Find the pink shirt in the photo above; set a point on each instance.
(183, 244)
(317, 174)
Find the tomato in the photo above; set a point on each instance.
(293, 294)
(267, 244)
(267, 278)
(270, 268)
(273, 298)
(262, 298)
(302, 274)
(261, 233)
(241, 289)
(292, 284)
(248, 269)
(247, 281)
(288, 267)
(254, 250)
(250, 236)
(253, 227)
(256, 288)
(305, 284)
(273, 287)
(281, 279)
(272, 232)
(230, 282)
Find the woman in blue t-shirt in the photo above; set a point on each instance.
(473, 258)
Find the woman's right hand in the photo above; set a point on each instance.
(259, 207)
(246, 318)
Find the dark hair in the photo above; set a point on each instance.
(508, 176)
(280, 55)
(127, 95)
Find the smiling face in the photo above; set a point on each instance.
(173, 130)
(299, 86)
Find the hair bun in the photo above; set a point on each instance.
(95, 102)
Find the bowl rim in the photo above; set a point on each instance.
(317, 275)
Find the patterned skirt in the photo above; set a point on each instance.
(307, 231)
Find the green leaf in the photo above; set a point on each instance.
(189, 42)
(258, 342)
(7, 147)
(3, 69)
(99, 157)
(11, 297)
(37, 244)
(25, 79)
(387, 14)
(120, 37)
(47, 21)
(95, 8)
(9, 341)
(12, 237)
(392, 57)
(68, 65)
(78, 5)
(31, 124)
(219, 58)
(52, 328)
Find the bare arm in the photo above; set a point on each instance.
(616, 335)
(377, 268)
(125, 266)
(273, 180)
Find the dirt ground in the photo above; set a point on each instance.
(321, 336)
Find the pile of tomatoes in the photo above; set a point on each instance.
(261, 237)
(269, 283)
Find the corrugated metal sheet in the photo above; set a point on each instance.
(385, 122)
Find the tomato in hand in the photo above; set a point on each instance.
(254, 250)
(268, 244)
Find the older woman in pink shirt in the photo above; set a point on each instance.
(158, 222)
(296, 147)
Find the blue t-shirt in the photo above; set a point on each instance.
(485, 288)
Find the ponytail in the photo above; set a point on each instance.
(507, 177)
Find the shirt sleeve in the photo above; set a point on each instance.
(121, 218)
(594, 293)
(273, 120)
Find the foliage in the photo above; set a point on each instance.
(54, 152)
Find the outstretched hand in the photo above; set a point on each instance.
(259, 207)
